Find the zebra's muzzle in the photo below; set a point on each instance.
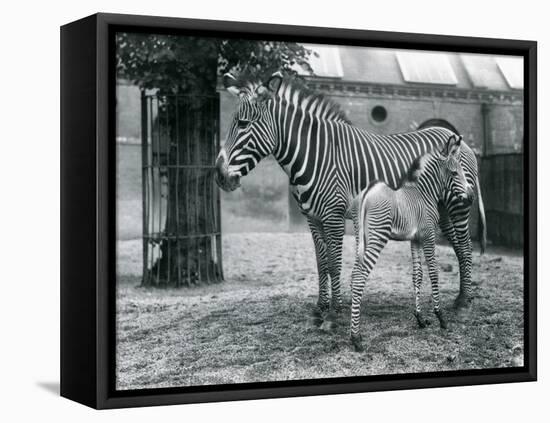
(224, 180)
(467, 198)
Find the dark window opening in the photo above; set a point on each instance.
(379, 113)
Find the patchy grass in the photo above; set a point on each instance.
(257, 325)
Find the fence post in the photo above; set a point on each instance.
(485, 122)
(144, 193)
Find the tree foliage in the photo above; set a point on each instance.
(192, 65)
(188, 64)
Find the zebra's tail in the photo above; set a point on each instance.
(482, 227)
(359, 221)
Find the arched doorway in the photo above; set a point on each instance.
(438, 122)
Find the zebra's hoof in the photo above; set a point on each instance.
(462, 302)
(337, 309)
(316, 312)
(322, 309)
(317, 321)
(327, 325)
(422, 323)
(357, 342)
(442, 321)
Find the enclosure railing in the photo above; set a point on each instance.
(181, 203)
(502, 186)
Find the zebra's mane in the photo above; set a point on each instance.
(295, 91)
(300, 95)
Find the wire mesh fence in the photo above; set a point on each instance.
(181, 203)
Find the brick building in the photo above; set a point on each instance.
(386, 91)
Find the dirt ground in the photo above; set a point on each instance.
(257, 325)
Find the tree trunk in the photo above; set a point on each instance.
(184, 246)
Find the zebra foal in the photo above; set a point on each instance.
(409, 213)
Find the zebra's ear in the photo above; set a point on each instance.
(230, 84)
(452, 147)
(274, 82)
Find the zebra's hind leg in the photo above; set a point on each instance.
(417, 282)
(462, 247)
(464, 244)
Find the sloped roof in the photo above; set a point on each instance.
(411, 67)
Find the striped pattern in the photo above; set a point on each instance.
(328, 162)
(409, 213)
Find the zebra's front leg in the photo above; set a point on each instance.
(319, 243)
(431, 261)
(334, 229)
(417, 283)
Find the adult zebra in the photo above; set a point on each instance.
(329, 161)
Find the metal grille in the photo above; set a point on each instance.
(181, 203)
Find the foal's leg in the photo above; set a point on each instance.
(417, 281)
(429, 255)
(361, 270)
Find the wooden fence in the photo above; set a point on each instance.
(502, 190)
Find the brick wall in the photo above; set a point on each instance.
(408, 114)
(505, 134)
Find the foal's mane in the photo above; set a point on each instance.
(416, 170)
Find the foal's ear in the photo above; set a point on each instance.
(452, 146)
(230, 84)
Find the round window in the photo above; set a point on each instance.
(379, 113)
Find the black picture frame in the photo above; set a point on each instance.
(88, 211)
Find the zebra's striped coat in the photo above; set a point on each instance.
(328, 162)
